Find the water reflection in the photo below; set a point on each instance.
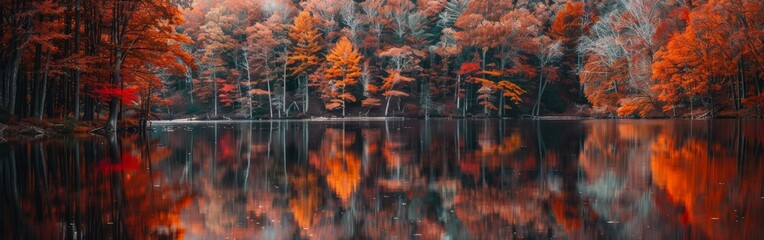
(400, 179)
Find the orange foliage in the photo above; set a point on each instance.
(343, 73)
(341, 166)
(567, 25)
(305, 37)
(711, 55)
(305, 203)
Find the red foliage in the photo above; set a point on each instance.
(127, 96)
(469, 68)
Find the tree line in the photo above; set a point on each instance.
(83, 59)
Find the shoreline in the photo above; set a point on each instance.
(31, 130)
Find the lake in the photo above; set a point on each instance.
(406, 179)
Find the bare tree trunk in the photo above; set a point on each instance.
(89, 113)
(733, 91)
(190, 81)
(270, 94)
(283, 88)
(742, 80)
(537, 105)
(12, 79)
(111, 124)
(77, 72)
(249, 81)
(456, 92)
(306, 94)
(387, 106)
(17, 48)
(43, 88)
(119, 21)
(215, 87)
(502, 100)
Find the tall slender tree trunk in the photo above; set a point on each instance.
(21, 99)
(503, 64)
(249, 81)
(215, 90)
(89, 113)
(17, 38)
(35, 93)
(538, 99)
(283, 88)
(77, 72)
(44, 87)
(190, 80)
(111, 124)
(742, 81)
(456, 92)
(270, 99)
(538, 96)
(306, 94)
(118, 30)
(268, 84)
(13, 79)
(387, 106)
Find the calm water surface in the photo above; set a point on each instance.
(438, 179)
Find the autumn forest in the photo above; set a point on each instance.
(142, 60)
(381, 119)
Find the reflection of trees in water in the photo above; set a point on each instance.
(713, 179)
(381, 180)
(490, 213)
(670, 180)
(240, 180)
(338, 163)
(91, 187)
(615, 182)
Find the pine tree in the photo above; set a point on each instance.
(344, 72)
(304, 56)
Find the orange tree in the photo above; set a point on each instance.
(344, 72)
(304, 57)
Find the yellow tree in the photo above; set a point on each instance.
(344, 72)
(305, 51)
(489, 87)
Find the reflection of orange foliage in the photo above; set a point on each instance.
(153, 210)
(510, 144)
(332, 144)
(340, 164)
(491, 154)
(344, 176)
(705, 179)
(305, 202)
(153, 207)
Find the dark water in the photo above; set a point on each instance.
(442, 179)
